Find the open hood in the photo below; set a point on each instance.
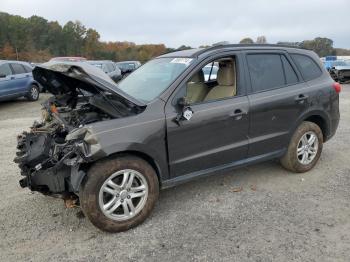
(67, 77)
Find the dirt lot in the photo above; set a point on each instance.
(278, 216)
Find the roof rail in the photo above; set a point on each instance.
(219, 45)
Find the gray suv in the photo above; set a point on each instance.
(111, 148)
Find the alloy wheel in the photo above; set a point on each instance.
(307, 148)
(123, 195)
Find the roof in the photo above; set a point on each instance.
(99, 61)
(130, 61)
(14, 61)
(199, 51)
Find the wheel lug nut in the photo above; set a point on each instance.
(117, 195)
(128, 196)
(121, 201)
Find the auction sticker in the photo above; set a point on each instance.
(181, 60)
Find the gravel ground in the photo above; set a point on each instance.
(277, 216)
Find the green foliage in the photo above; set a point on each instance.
(36, 39)
(320, 45)
(246, 40)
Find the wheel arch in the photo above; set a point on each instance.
(150, 160)
(318, 117)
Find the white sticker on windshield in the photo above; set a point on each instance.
(182, 60)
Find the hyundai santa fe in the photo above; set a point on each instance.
(112, 147)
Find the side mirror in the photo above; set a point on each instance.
(186, 111)
(182, 102)
(2, 76)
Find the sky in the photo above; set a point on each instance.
(201, 22)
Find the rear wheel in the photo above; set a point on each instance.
(304, 149)
(119, 193)
(33, 94)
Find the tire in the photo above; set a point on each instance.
(294, 159)
(93, 197)
(33, 94)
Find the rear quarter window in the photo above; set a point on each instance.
(28, 68)
(307, 66)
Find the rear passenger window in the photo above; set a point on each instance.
(291, 76)
(308, 67)
(266, 71)
(18, 69)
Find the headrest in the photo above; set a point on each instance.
(226, 74)
(198, 77)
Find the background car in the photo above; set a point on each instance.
(210, 71)
(109, 68)
(69, 59)
(16, 80)
(128, 66)
(340, 70)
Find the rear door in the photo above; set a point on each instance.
(215, 135)
(277, 98)
(21, 78)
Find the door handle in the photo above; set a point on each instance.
(12, 77)
(238, 113)
(301, 98)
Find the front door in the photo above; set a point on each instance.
(216, 134)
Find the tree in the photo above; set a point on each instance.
(320, 45)
(91, 43)
(261, 40)
(246, 40)
(7, 52)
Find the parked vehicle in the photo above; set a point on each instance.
(128, 66)
(165, 124)
(69, 59)
(109, 68)
(210, 71)
(16, 80)
(340, 70)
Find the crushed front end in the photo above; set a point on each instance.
(57, 151)
(50, 154)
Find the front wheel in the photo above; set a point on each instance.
(120, 193)
(304, 149)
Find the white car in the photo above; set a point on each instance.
(210, 71)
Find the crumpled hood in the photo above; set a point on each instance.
(67, 77)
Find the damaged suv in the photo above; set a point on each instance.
(112, 147)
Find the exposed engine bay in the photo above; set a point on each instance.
(52, 153)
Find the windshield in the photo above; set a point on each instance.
(96, 64)
(341, 63)
(151, 79)
(126, 65)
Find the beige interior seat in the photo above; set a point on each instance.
(196, 88)
(226, 78)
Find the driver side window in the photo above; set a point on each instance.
(216, 80)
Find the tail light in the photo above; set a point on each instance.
(337, 87)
